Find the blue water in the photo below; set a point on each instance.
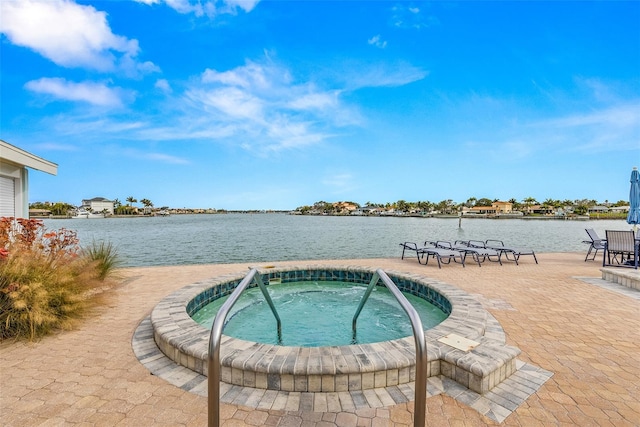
(303, 308)
(230, 238)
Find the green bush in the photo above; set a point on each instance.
(47, 282)
(104, 256)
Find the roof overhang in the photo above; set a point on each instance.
(15, 155)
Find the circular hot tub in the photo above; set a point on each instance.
(329, 368)
(319, 313)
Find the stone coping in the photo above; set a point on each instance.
(339, 368)
(628, 277)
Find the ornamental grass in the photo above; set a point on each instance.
(47, 282)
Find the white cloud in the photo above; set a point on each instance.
(93, 93)
(377, 42)
(265, 108)
(231, 102)
(411, 17)
(163, 85)
(246, 5)
(154, 156)
(209, 8)
(316, 101)
(620, 116)
(384, 75)
(69, 34)
(166, 158)
(53, 146)
(253, 76)
(259, 106)
(613, 128)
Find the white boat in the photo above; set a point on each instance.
(87, 215)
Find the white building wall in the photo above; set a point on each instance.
(99, 206)
(19, 177)
(13, 167)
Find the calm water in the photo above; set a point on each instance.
(303, 308)
(230, 238)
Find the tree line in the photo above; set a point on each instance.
(448, 206)
(119, 208)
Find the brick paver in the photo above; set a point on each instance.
(587, 336)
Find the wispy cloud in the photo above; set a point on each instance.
(508, 131)
(316, 101)
(163, 85)
(166, 158)
(383, 75)
(90, 92)
(209, 8)
(411, 17)
(611, 128)
(70, 35)
(246, 5)
(261, 106)
(53, 146)
(154, 156)
(377, 41)
(268, 109)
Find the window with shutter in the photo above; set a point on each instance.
(7, 197)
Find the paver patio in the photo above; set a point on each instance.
(585, 334)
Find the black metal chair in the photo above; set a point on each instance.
(595, 244)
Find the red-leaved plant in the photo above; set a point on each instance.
(46, 280)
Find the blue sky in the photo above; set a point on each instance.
(278, 104)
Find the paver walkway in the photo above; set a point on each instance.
(586, 335)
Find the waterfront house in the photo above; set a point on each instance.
(620, 209)
(98, 204)
(598, 209)
(345, 207)
(366, 210)
(14, 178)
(537, 209)
(496, 208)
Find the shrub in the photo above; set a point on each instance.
(104, 257)
(46, 281)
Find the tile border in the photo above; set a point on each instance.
(496, 405)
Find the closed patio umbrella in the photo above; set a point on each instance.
(634, 199)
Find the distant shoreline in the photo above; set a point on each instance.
(464, 217)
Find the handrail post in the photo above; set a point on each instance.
(215, 338)
(267, 297)
(418, 334)
(364, 299)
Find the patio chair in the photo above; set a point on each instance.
(595, 244)
(623, 247)
(443, 256)
(479, 254)
(515, 253)
(410, 246)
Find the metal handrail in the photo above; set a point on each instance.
(213, 359)
(418, 334)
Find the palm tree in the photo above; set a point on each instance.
(131, 201)
(471, 202)
(402, 205)
(147, 204)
